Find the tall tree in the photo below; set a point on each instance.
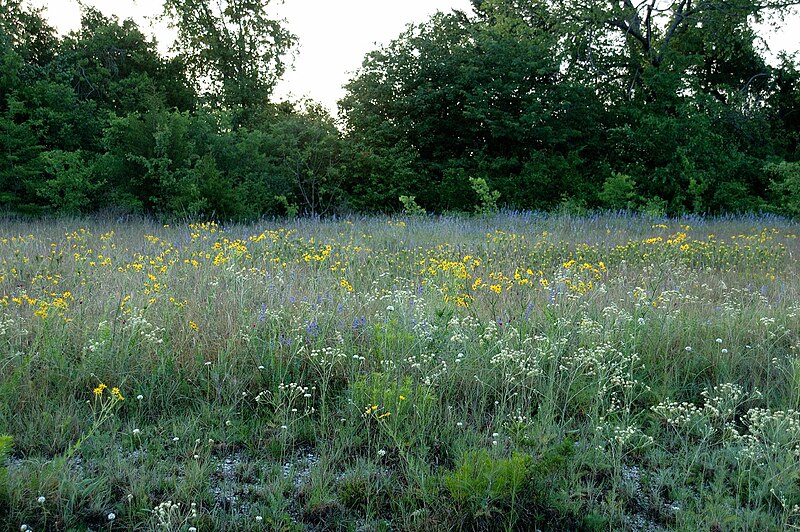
(623, 41)
(455, 98)
(233, 49)
(115, 65)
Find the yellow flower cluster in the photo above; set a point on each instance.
(115, 392)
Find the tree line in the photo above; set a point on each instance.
(658, 106)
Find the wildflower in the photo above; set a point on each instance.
(139, 397)
(175, 438)
(112, 516)
(136, 432)
(259, 518)
(718, 340)
(390, 308)
(724, 351)
(117, 394)
(402, 397)
(459, 424)
(99, 390)
(641, 321)
(193, 325)
(41, 499)
(688, 348)
(344, 283)
(382, 453)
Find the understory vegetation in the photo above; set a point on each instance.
(514, 371)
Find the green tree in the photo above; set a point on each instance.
(307, 151)
(115, 65)
(233, 50)
(458, 97)
(69, 185)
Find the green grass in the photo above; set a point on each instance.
(503, 373)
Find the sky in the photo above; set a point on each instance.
(333, 35)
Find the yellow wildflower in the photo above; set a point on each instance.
(99, 390)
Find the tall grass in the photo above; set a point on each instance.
(508, 372)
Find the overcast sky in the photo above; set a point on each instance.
(334, 35)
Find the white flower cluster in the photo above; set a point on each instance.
(589, 327)
(329, 356)
(679, 414)
(172, 516)
(136, 323)
(9, 327)
(772, 431)
(722, 402)
(517, 363)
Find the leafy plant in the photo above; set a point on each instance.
(5, 449)
(410, 206)
(487, 198)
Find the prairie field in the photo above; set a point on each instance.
(514, 372)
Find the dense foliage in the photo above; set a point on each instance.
(660, 107)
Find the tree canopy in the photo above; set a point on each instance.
(654, 105)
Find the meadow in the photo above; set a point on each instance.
(511, 372)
